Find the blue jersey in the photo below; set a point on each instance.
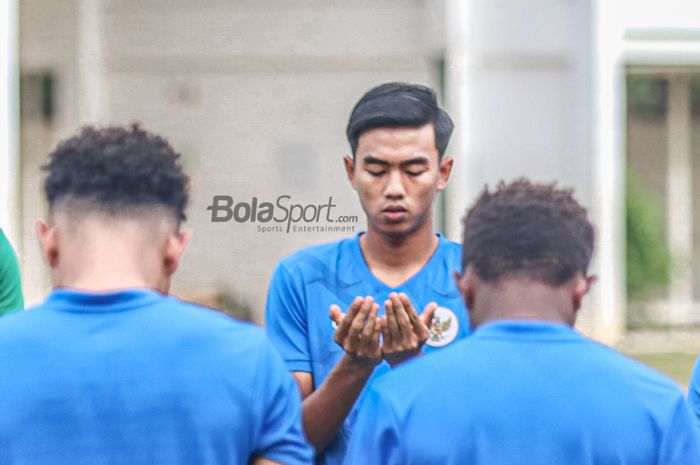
(305, 284)
(694, 392)
(534, 393)
(140, 378)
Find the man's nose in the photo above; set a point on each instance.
(395, 188)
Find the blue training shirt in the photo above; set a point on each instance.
(527, 392)
(305, 285)
(135, 377)
(694, 392)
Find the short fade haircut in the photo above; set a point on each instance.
(399, 105)
(117, 169)
(535, 231)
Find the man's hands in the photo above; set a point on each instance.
(358, 331)
(403, 331)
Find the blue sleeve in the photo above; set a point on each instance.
(681, 441)
(281, 437)
(694, 392)
(375, 435)
(285, 320)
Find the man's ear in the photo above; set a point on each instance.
(175, 249)
(350, 169)
(581, 288)
(464, 284)
(445, 168)
(48, 241)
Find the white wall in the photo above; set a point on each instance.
(531, 96)
(9, 119)
(531, 101)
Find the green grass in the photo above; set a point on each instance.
(677, 365)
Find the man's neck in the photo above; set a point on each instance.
(100, 281)
(103, 266)
(394, 260)
(523, 300)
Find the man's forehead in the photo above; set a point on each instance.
(396, 145)
(424, 133)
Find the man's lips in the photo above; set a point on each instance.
(394, 213)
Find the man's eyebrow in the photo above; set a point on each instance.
(369, 159)
(415, 161)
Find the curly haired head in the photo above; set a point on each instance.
(527, 230)
(116, 169)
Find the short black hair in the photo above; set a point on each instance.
(531, 230)
(115, 169)
(399, 105)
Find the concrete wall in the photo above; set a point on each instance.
(531, 95)
(47, 44)
(531, 98)
(255, 94)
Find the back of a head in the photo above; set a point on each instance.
(399, 105)
(521, 389)
(527, 230)
(116, 170)
(113, 356)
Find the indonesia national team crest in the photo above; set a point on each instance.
(443, 328)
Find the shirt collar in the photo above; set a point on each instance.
(75, 300)
(353, 269)
(526, 329)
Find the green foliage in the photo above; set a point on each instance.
(648, 260)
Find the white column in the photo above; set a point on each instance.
(90, 62)
(609, 158)
(9, 119)
(457, 71)
(679, 197)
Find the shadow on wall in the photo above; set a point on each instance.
(224, 301)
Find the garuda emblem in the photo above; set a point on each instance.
(443, 328)
(438, 328)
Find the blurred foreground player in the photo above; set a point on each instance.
(694, 392)
(525, 387)
(109, 369)
(382, 278)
